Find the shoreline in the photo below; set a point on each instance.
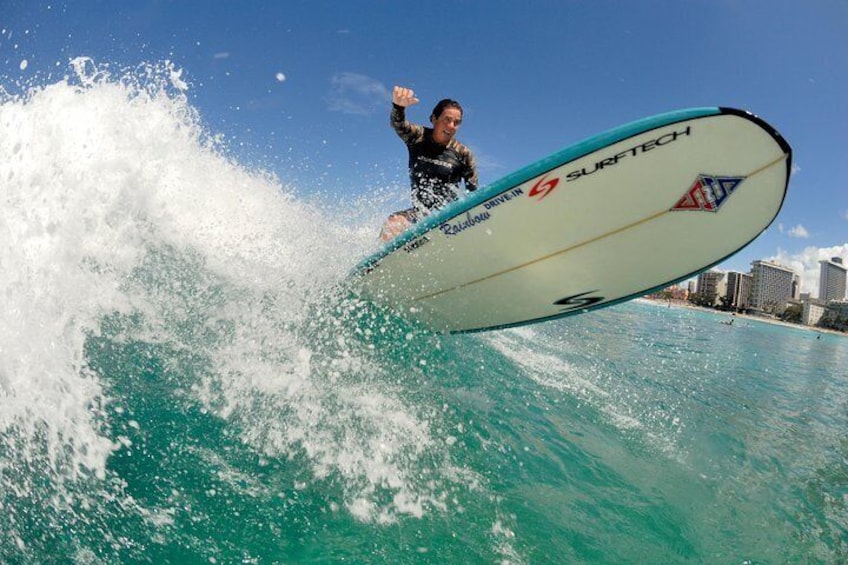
(747, 317)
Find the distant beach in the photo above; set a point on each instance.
(736, 315)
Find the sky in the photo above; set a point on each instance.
(302, 88)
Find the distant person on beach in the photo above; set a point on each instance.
(437, 161)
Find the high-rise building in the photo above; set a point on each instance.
(738, 289)
(771, 286)
(710, 287)
(832, 279)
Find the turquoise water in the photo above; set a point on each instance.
(183, 379)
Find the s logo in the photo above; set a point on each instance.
(543, 188)
(578, 301)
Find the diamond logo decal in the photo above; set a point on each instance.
(708, 193)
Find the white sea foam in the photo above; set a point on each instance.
(115, 200)
(546, 369)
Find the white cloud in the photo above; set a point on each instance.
(222, 55)
(806, 263)
(799, 231)
(352, 93)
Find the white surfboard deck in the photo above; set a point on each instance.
(612, 218)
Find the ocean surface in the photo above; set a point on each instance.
(184, 378)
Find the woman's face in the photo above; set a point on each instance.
(445, 126)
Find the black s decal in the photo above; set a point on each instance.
(578, 301)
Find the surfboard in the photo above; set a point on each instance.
(614, 217)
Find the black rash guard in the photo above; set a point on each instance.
(435, 170)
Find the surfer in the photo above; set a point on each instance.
(437, 161)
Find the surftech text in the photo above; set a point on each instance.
(664, 139)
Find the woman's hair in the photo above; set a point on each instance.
(442, 105)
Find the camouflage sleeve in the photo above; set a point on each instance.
(470, 173)
(406, 131)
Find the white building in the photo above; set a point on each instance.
(738, 290)
(771, 286)
(812, 313)
(832, 280)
